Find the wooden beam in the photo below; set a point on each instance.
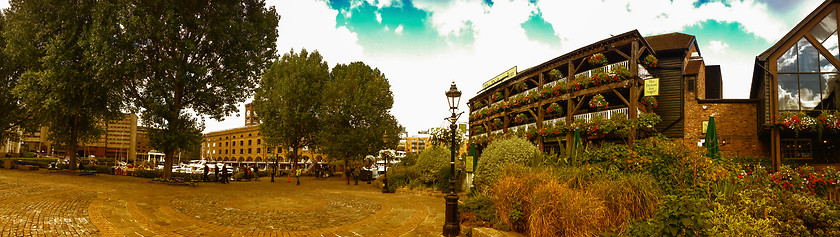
(577, 107)
(621, 53)
(621, 97)
(822, 50)
(642, 50)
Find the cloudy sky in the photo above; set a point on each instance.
(424, 45)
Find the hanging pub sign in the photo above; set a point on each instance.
(652, 87)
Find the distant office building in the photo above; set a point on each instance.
(245, 145)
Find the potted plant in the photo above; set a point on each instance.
(598, 60)
(620, 73)
(478, 105)
(649, 102)
(497, 96)
(598, 102)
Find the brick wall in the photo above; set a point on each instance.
(735, 122)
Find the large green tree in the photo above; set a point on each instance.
(13, 115)
(50, 42)
(187, 59)
(356, 113)
(288, 99)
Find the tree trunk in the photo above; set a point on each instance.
(73, 145)
(167, 164)
(346, 174)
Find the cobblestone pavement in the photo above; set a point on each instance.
(38, 203)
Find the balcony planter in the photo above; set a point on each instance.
(598, 60)
(826, 122)
(497, 96)
(478, 105)
(620, 73)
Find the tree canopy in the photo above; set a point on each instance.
(356, 112)
(186, 59)
(288, 99)
(49, 44)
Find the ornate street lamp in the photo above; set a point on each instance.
(385, 155)
(451, 225)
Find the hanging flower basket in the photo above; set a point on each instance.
(497, 96)
(521, 118)
(478, 105)
(598, 60)
(497, 123)
(555, 74)
(797, 122)
(521, 86)
(554, 108)
(560, 88)
(598, 102)
(650, 62)
(649, 102)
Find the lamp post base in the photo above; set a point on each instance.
(452, 226)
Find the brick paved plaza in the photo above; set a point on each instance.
(38, 203)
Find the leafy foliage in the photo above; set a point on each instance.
(431, 162)
(355, 112)
(51, 44)
(205, 56)
(288, 99)
(500, 153)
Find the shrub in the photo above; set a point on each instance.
(430, 162)
(627, 196)
(510, 194)
(736, 219)
(556, 210)
(239, 176)
(400, 176)
(478, 210)
(100, 169)
(506, 151)
(796, 214)
(409, 159)
(143, 173)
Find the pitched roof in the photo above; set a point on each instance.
(763, 56)
(693, 67)
(670, 41)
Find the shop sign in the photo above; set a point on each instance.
(652, 87)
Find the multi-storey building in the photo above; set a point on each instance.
(244, 145)
(414, 144)
(120, 140)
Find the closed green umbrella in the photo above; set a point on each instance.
(712, 140)
(576, 144)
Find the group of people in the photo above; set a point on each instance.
(250, 172)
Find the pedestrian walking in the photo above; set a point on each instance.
(206, 173)
(216, 171)
(256, 173)
(224, 174)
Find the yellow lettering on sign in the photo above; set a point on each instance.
(652, 87)
(501, 77)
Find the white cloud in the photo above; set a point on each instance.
(379, 17)
(311, 25)
(4, 4)
(399, 29)
(717, 46)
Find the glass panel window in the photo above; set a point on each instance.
(787, 62)
(831, 91)
(808, 61)
(831, 46)
(796, 149)
(788, 92)
(827, 26)
(809, 91)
